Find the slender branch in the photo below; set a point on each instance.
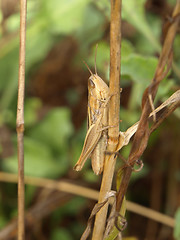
(36, 213)
(75, 189)
(20, 120)
(142, 135)
(165, 114)
(114, 106)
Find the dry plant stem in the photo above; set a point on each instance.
(142, 135)
(36, 213)
(114, 106)
(81, 191)
(165, 114)
(75, 189)
(20, 120)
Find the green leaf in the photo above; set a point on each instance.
(36, 37)
(77, 144)
(104, 7)
(90, 177)
(143, 45)
(13, 22)
(32, 105)
(177, 225)
(134, 13)
(38, 44)
(126, 48)
(172, 2)
(103, 56)
(87, 32)
(54, 130)
(38, 160)
(65, 16)
(61, 233)
(141, 69)
(9, 77)
(3, 221)
(71, 208)
(72, 96)
(165, 89)
(129, 117)
(30, 192)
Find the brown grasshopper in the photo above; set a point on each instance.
(96, 138)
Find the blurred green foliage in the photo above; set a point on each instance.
(51, 144)
(46, 146)
(177, 225)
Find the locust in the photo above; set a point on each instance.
(96, 138)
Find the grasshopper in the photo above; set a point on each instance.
(96, 138)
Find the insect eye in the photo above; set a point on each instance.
(91, 83)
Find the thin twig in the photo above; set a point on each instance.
(36, 213)
(20, 119)
(164, 115)
(142, 135)
(75, 189)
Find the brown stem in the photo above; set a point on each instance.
(142, 135)
(74, 188)
(20, 120)
(164, 115)
(36, 213)
(114, 106)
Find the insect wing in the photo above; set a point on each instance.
(92, 138)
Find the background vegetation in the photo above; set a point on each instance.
(60, 34)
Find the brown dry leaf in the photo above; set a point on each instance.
(124, 137)
(142, 134)
(95, 210)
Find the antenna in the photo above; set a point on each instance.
(95, 59)
(88, 67)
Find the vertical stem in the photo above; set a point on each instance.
(114, 106)
(20, 120)
(142, 134)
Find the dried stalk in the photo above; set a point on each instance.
(36, 213)
(114, 106)
(20, 120)
(71, 188)
(143, 132)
